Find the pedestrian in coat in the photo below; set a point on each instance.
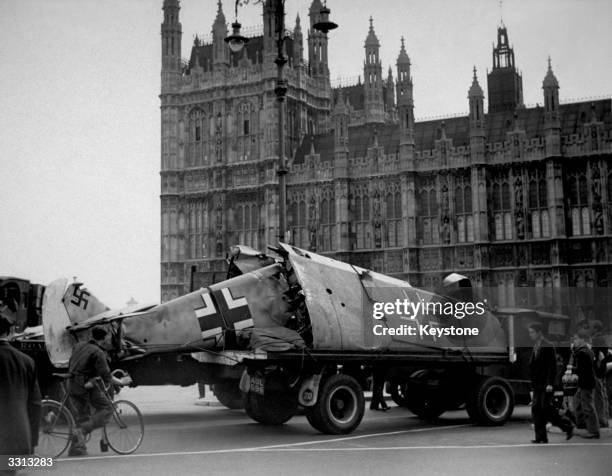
(19, 397)
(543, 372)
(585, 369)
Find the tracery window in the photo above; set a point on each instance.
(393, 221)
(463, 211)
(298, 222)
(197, 154)
(429, 228)
(328, 224)
(502, 209)
(538, 206)
(246, 131)
(246, 224)
(361, 221)
(579, 207)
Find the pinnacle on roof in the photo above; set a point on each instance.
(372, 39)
(403, 56)
(340, 107)
(550, 81)
(220, 19)
(297, 22)
(475, 89)
(315, 7)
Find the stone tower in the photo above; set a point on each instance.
(317, 43)
(504, 82)
(373, 82)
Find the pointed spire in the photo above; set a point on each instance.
(403, 57)
(315, 7)
(372, 39)
(297, 23)
(220, 19)
(390, 74)
(550, 81)
(475, 89)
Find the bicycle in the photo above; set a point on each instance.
(123, 433)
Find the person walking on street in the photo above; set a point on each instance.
(19, 398)
(543, 372)
(378, 385)
(585, 369)
(602, 357)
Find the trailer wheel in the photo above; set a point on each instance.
(276, 406)
(417, 397)
(490, 402)
(398, 392)
(340, 406)
(269, 411)
(229, 395)
(423, 405)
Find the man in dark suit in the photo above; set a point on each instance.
(19, 397)
(543, 371)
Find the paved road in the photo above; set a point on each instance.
(183, 438)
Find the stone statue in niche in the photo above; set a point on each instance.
(376, 209)
(518, 193)
(312, 224)
(598, 218)
(377, 234)
(446, 230)
(445, 200)
(219, 216)
(593, 137)
(312, 212)
(520, 225)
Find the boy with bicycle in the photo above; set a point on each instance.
(87, 363)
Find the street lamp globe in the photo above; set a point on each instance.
(236, 41)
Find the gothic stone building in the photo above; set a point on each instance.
(510, 196)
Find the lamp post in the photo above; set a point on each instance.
(236, 42)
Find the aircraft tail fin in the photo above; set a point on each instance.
(65, 304)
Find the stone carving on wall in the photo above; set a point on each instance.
(377, 220)
(312, 223)
(598, 222)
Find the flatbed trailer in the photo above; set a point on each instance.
(329, 386)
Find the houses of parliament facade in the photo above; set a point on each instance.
(507, 195)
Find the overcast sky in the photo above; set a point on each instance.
(80, 122)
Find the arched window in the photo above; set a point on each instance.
(578, 197)
(586, 221)
(461, 229)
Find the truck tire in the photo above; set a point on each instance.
(278, 404)
(229, 395)
(398, 392)
(340, 406)
(269, 411)
(416, 396)
(425, 406)
(490, 402)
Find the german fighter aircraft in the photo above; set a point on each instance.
(293, 319)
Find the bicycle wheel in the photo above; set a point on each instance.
(55, 429)
(125, 429)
